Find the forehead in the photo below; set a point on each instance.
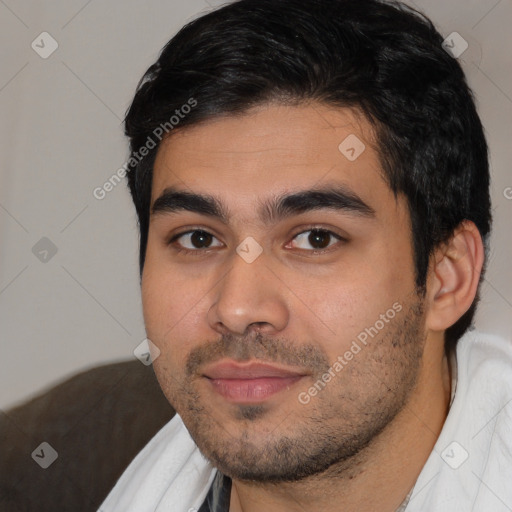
(271, 150)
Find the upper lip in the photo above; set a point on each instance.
(251, 370)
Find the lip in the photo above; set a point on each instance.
(250, 382)
(250, 370)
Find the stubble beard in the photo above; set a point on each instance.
(327, 436)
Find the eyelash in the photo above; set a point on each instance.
(200, 252)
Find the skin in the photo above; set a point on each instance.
(375, 423)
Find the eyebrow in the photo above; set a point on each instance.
(334, 197)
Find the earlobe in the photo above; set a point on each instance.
(453, 277)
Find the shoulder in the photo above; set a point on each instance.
(470, 466)
(483, 390)
(481, 345)
(484, 359)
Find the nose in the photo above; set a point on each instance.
(249, 296)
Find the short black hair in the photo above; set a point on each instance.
(381, 57)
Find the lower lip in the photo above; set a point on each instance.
(252, 390)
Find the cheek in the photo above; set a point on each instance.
(156, 302)
(161, 309)
(172, 307)
(161, 293)
(355, 298)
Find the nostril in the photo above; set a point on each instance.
(256, 326)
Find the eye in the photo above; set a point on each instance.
(315, 239)
(195, 240)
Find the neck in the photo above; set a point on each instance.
(378, 477)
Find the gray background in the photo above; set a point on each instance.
(61, 137)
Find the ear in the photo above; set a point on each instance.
(453, 277)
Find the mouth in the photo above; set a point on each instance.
(250, 383)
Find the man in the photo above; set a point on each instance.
(312, 186)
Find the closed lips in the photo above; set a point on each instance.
(231, 370)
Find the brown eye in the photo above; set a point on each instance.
(201, 239)
(315, 239)
(319, 239)
(195, 240)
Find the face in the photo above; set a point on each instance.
(279, 288)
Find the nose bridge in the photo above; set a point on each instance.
(248, 294)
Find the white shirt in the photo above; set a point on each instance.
(469, 469)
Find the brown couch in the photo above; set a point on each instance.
(97, 421)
